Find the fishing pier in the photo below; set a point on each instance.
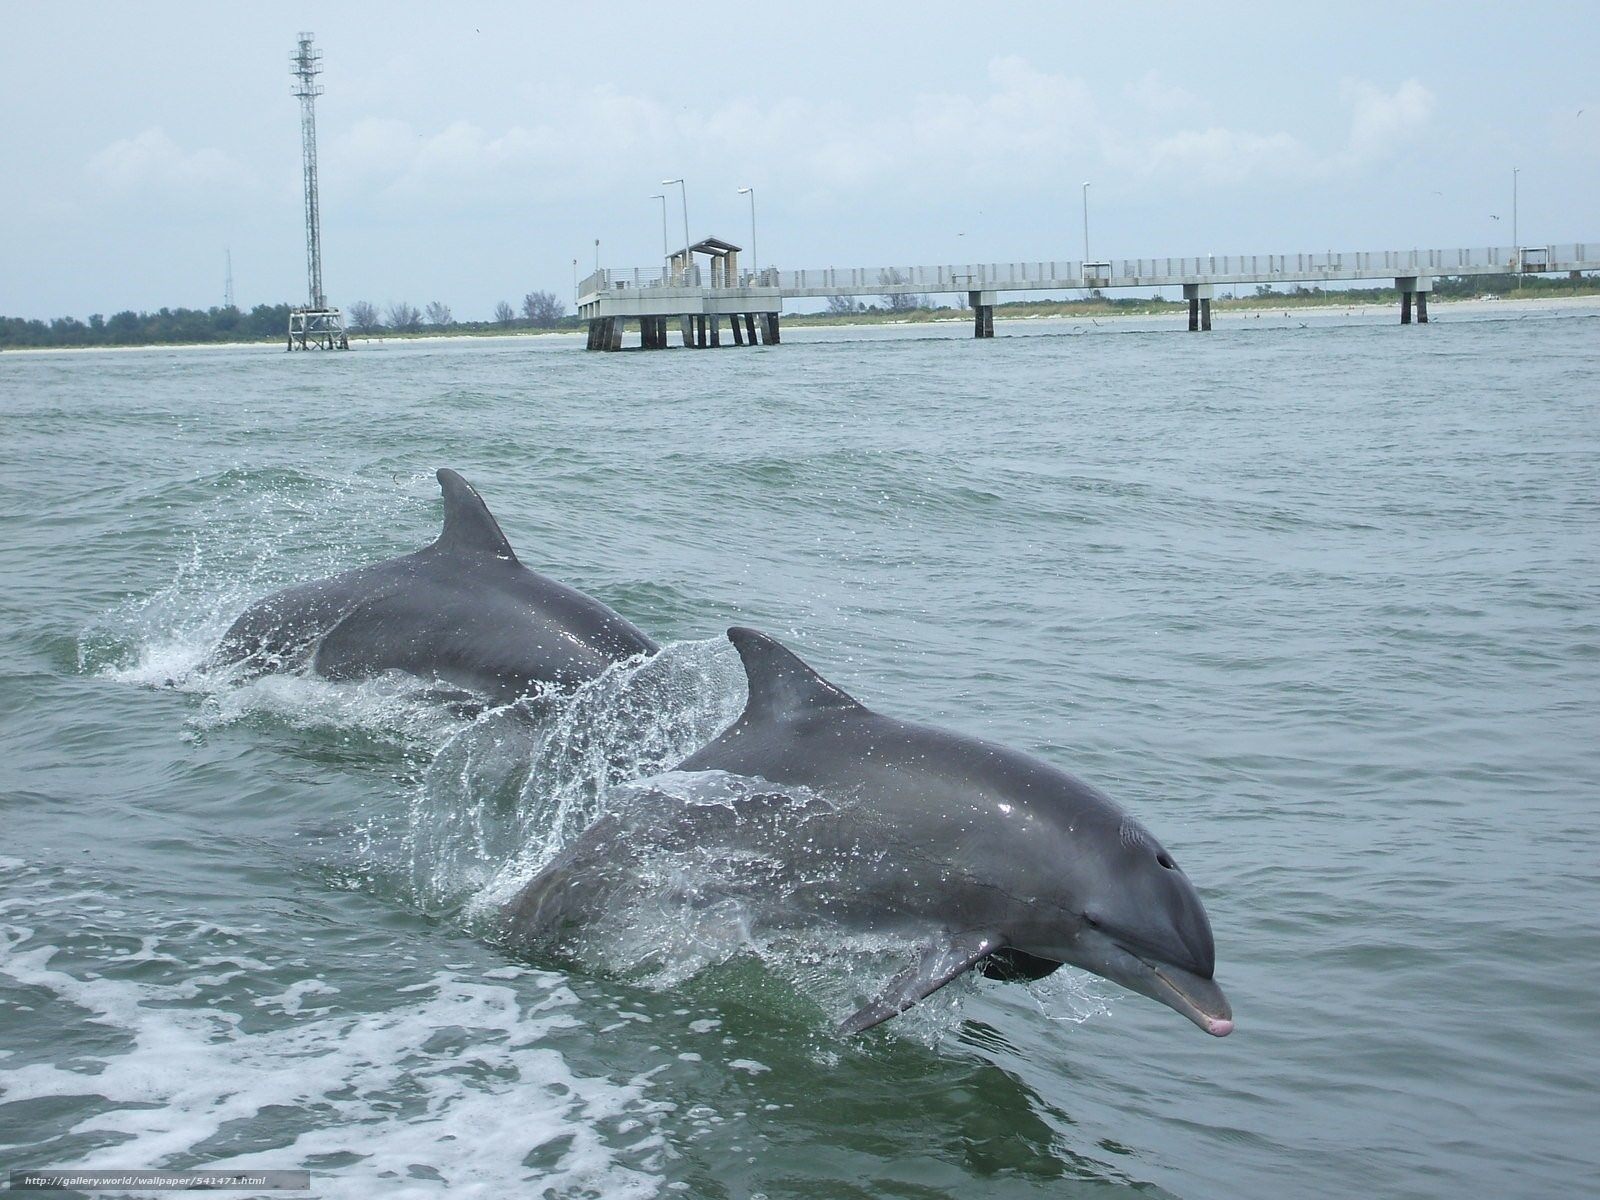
(696, 296)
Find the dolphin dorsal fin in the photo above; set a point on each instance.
(469, 527)
(782, 687)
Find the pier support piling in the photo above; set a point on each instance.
(716, 329)
(1199, 296)
(750, 329)
(738, 331)
(982, 313)
(1413, 287)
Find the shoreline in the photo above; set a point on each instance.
(1231, 309)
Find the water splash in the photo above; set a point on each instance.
(504, 795)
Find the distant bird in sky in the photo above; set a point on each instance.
(1493, 217)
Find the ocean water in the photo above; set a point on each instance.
(1319, 602)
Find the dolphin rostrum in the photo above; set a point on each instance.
(988, 858)
(462, 611)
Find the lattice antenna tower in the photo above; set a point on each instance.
(315, 327)
(227, 279)
(307, 66)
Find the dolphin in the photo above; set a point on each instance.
(462, 611)
(988, 858)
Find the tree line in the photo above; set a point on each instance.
(264, 322)
(540, 310)
(167, 325)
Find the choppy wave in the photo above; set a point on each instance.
(208, 1036)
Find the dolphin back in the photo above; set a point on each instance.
(462, 609)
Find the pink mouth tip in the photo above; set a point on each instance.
(1218, 1028)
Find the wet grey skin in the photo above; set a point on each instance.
(462, 612)
(991, 859)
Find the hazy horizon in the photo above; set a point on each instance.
(469, 155)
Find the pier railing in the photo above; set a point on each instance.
(1131, 272)
(1120, 272)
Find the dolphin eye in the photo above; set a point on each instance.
(1165, 860)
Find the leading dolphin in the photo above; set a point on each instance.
(462, 611)
(990, 858)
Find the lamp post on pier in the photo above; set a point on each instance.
(1086, 223)
(684, 190)
(1515, 244)
(666, 255)
(755, 261)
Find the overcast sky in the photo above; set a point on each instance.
(470, 153)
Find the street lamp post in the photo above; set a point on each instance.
(665, 254)
(1515, 244)
(755, 262)
(1085, 223)
(684, 190)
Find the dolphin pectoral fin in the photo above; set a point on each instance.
(940, 963)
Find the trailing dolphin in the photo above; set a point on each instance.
(462, 611)
(986, 857)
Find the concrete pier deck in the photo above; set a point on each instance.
(699, 298)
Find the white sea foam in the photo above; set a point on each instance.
(450, 1083)
(416, 1120)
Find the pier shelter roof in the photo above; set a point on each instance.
(715, 247)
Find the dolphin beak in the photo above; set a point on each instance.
(1183, 991)
(1201, 1000)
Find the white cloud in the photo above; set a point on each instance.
(1218, 156)
(1025, 124)
(1165, 101)
(1384, 122)
(152, 164)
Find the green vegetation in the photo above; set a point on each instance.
(169, 326)
(263, 323)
